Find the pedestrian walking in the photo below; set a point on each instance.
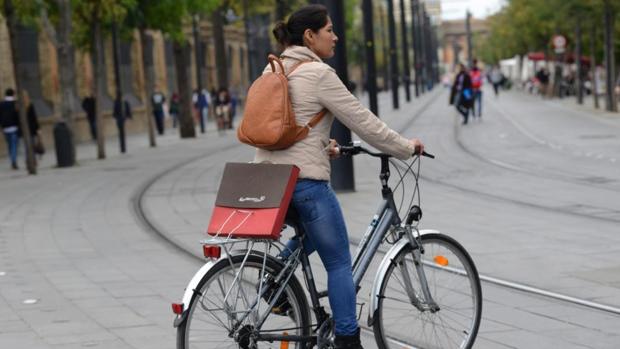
(158, 100)
(476, 84)
(234, 100)
(496, 78)
(203, 104)
(542, 76)
(174, 109)
(121, 116)
(33, 125)
(308, 36)
(223, 107)
(9, 120)
(88, 105)
(461, 95)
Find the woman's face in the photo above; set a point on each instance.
(323, 42)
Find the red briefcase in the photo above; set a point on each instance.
(252, 200)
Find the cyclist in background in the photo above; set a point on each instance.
(308, 36)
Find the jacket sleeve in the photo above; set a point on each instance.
(334, 96)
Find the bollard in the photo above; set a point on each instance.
(64, 150)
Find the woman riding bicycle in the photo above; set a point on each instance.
(308, 36)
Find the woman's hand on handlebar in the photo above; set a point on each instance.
(333, 149)
(417, 144)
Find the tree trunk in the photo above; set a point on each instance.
(371, 64)
(405, 48)
(609, 57)
(384, 44)
(593, 66)
(415, 45)
(579, 77)
(182, 63)
(281, 9)
(393, 54)
(98, 63)
(147, 70)
(11, 21)
(221, 63)
(120, 97)
(66, 64)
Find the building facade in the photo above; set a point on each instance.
(40, 78)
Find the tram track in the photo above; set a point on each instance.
(564, 176)
(138, 203)
(581, 211)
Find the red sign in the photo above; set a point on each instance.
(559, 43)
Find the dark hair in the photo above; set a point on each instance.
(313, 17)
(9, 92)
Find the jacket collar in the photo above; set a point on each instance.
(300, 53)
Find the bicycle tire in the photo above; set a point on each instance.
(195, 332)
(454, 285)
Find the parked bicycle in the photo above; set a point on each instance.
(426, 292)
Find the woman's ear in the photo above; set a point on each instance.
(308, 36)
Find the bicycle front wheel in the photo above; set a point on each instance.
(405, 318)
(226, 308)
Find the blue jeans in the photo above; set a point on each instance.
(12, 141)
(321, 218)
(477, 103)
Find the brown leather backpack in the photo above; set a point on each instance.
(268, 119)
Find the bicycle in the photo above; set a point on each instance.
(426, 292)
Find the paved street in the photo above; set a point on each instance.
(532, 190)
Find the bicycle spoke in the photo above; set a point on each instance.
(451, 290)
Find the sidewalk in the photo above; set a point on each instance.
(71, 242)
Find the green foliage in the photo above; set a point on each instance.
(87, 12)
(26, 11)
(524, 26)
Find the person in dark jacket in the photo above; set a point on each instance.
(121, 116)
(9, 121)
(462, 95)
(88, 105)
(33, 125)
(174, 109)
(158, 99)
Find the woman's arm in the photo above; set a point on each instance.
(334, 96)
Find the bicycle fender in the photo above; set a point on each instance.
(382, 271)
(191, 288)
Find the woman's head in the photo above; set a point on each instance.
(309, 26)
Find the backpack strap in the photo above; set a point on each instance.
(294, 67)
(302, 131)
(273, 58)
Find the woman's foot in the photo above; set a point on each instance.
(348, 342)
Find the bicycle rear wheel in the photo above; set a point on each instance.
(454, 285)
(226, 293)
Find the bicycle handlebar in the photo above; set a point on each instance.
(355, 149)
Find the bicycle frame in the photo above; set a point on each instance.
(382, 224)
(385, 218)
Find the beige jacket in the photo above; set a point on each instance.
(312, 87)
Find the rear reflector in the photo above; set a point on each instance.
(212, 251)
(177, 308)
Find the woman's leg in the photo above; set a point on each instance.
(322, 219)
(464, 111)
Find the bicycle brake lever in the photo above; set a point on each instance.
(428, 155)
